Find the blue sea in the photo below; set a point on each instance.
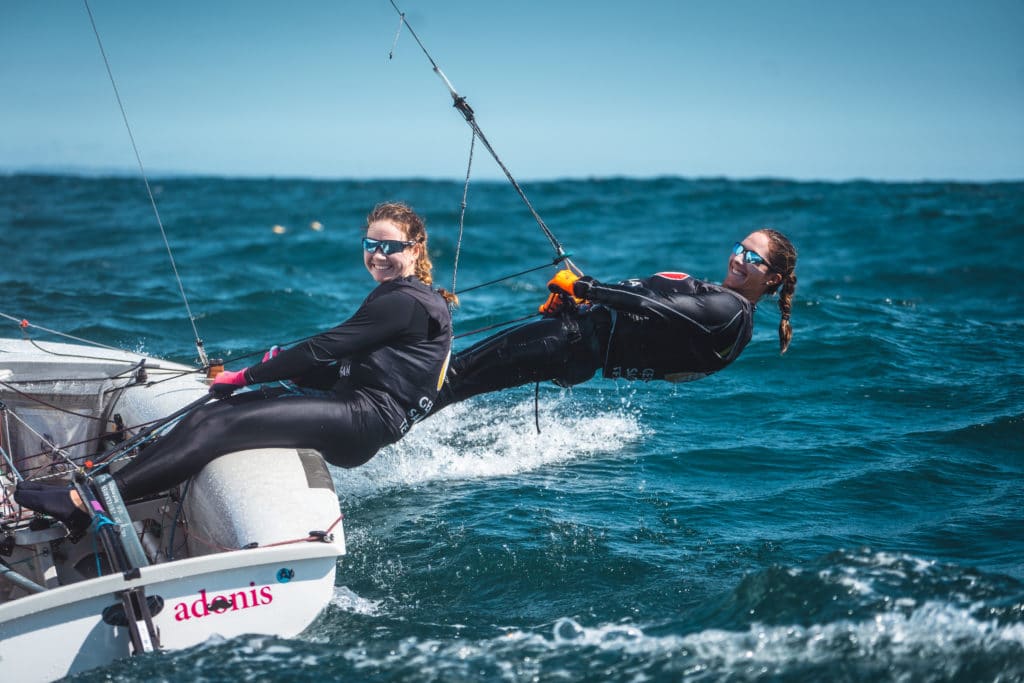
(850, 511)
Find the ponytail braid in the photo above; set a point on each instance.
(783, 261)
(785, 308)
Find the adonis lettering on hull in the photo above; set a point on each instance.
(219, 604)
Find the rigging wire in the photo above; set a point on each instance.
(495, 325)
(133, 363)
(98, 465)
(42, 402)
(460, 103)
(462, 207)
(10, 467)
(54, 449)
(138, 157)
(5, 437)
(394, 43)
(80, 356)
(25, 324)
(554, 262)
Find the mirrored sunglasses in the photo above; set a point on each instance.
(387, 247)
(750, 256)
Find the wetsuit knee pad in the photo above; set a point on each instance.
(576, 371)
(582, 351)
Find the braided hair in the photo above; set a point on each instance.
(415, 230)
(782, 260)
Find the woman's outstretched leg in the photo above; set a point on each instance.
(565, 350)
(348, 432)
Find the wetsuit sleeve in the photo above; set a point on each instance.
(703, 310)
(377, 321)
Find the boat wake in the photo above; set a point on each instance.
(485, 438)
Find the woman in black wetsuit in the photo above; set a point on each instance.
(669, 326)
(361, 384)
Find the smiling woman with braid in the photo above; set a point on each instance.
(669, 326)
(361, 385)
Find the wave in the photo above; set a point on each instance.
(854, 616)
(481, 439)
(932, 642)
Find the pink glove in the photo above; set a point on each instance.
(272, 353)
(226, 382)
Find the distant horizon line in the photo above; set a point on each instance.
(71, 170)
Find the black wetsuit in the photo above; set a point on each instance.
(380, 371)
(669, 326)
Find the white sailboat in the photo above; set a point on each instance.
(250, 545)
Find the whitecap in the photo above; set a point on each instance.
(347, 600)
(486, 439)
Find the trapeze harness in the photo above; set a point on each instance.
(668, 327)
(381, 370)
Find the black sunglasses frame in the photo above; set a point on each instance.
(751, 256)
(387, 247)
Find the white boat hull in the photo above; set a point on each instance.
(278, 591)
(252, 549)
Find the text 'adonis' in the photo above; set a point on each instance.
(219, 604)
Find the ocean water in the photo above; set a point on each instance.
(852, 510)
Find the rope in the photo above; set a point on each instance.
(57, 380)
(536, 406)
(149, 190)
(13, 470)
(98, 463)
(175, 374)
(208, 543)
(554, 262)
(36, 399)
(491, 327)
(102, 463)
(394, 44)
(5, 436)
(51, 352)
(55, 449)
(460, 103)
(305, 539)
(24, 324)
(462, 207)
(174, 520)
(98, 522)
(311, 537)
(101, 520)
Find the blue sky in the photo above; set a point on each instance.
(901, 90)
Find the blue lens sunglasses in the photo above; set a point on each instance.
(750, 256)
(387, 247)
